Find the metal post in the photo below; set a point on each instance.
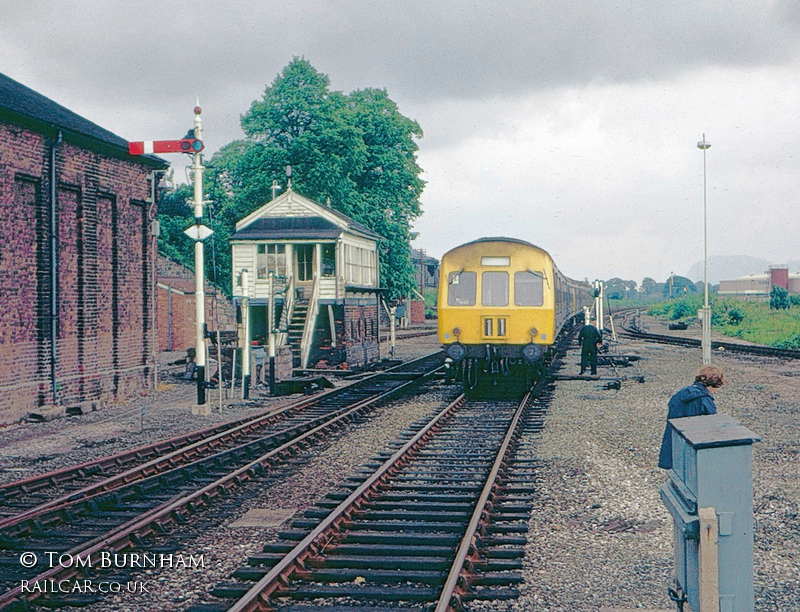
(706, 314)
(221, 380)
(271, 333)
(598, 305)
(199, 268)
(392, 318)
(246, 335)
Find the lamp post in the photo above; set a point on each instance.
(706, 310)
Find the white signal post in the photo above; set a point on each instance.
(198, 232)
(245, 336)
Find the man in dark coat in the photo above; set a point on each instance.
(695, 400)
(589, 338)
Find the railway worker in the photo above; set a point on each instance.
(695, 400)
(590, 340)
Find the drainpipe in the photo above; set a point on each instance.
(54, 265)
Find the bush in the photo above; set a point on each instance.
(681, 310)
(789, 343)
(735, 316)
(778, 298)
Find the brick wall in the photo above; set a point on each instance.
(176, 317)
(416, 312)
(361, 334)
(104, 276)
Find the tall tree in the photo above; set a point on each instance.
(357, 150)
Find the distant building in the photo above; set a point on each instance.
(426, 269)
(757, 287)
(176, 308)
(77, 259)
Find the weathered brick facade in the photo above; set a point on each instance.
(176, 313)
(76, 322)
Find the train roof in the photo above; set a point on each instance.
(497, 239)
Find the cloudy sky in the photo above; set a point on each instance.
(572, 124)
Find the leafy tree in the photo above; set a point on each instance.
(356, 150)
(618, 289)
(678, 286)
(778, 298)
(174, 216)
(648, 286)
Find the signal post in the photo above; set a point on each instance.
(198, 232)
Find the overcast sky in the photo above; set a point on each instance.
(572, 124)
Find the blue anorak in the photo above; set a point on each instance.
(694, 400)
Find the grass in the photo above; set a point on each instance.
(751, 321)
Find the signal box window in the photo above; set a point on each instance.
(305, 262)
(528, 289)
(494, 289)
(461, 288)
(271, 258)
(328, 260)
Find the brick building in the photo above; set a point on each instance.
(176, 308)
(77, 273)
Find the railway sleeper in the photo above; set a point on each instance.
(406, 539)
(406, 526)
(404, 497)
(421, 488)
(501, 515)
(378, 576)
(402, 504)
(489, 593)
(364, 592)
(398, 513)
(402, 563)
(75, 601)
(381, 550)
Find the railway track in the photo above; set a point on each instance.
(630, 329)
(434, 525)
(116, 513)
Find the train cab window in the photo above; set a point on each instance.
(461, 288)
(494, 289)
(528, 289)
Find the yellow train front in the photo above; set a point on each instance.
(502, 303)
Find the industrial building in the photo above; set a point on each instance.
(757, 287)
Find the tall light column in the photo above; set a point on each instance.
(706, 310)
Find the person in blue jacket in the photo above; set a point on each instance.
(695, 400)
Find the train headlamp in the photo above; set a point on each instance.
(456, 332)
(532, 353)
(534, 331)
(456, 351)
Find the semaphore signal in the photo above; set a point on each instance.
(193, 145)
(185, 145)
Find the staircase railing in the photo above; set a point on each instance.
(308, 328)
(286, 316)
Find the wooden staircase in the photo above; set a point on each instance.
(294, 335)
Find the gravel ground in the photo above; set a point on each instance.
(599, 534)
(600, 538)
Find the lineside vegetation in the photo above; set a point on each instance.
(758, 322)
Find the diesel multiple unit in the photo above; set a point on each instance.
(502, 303)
